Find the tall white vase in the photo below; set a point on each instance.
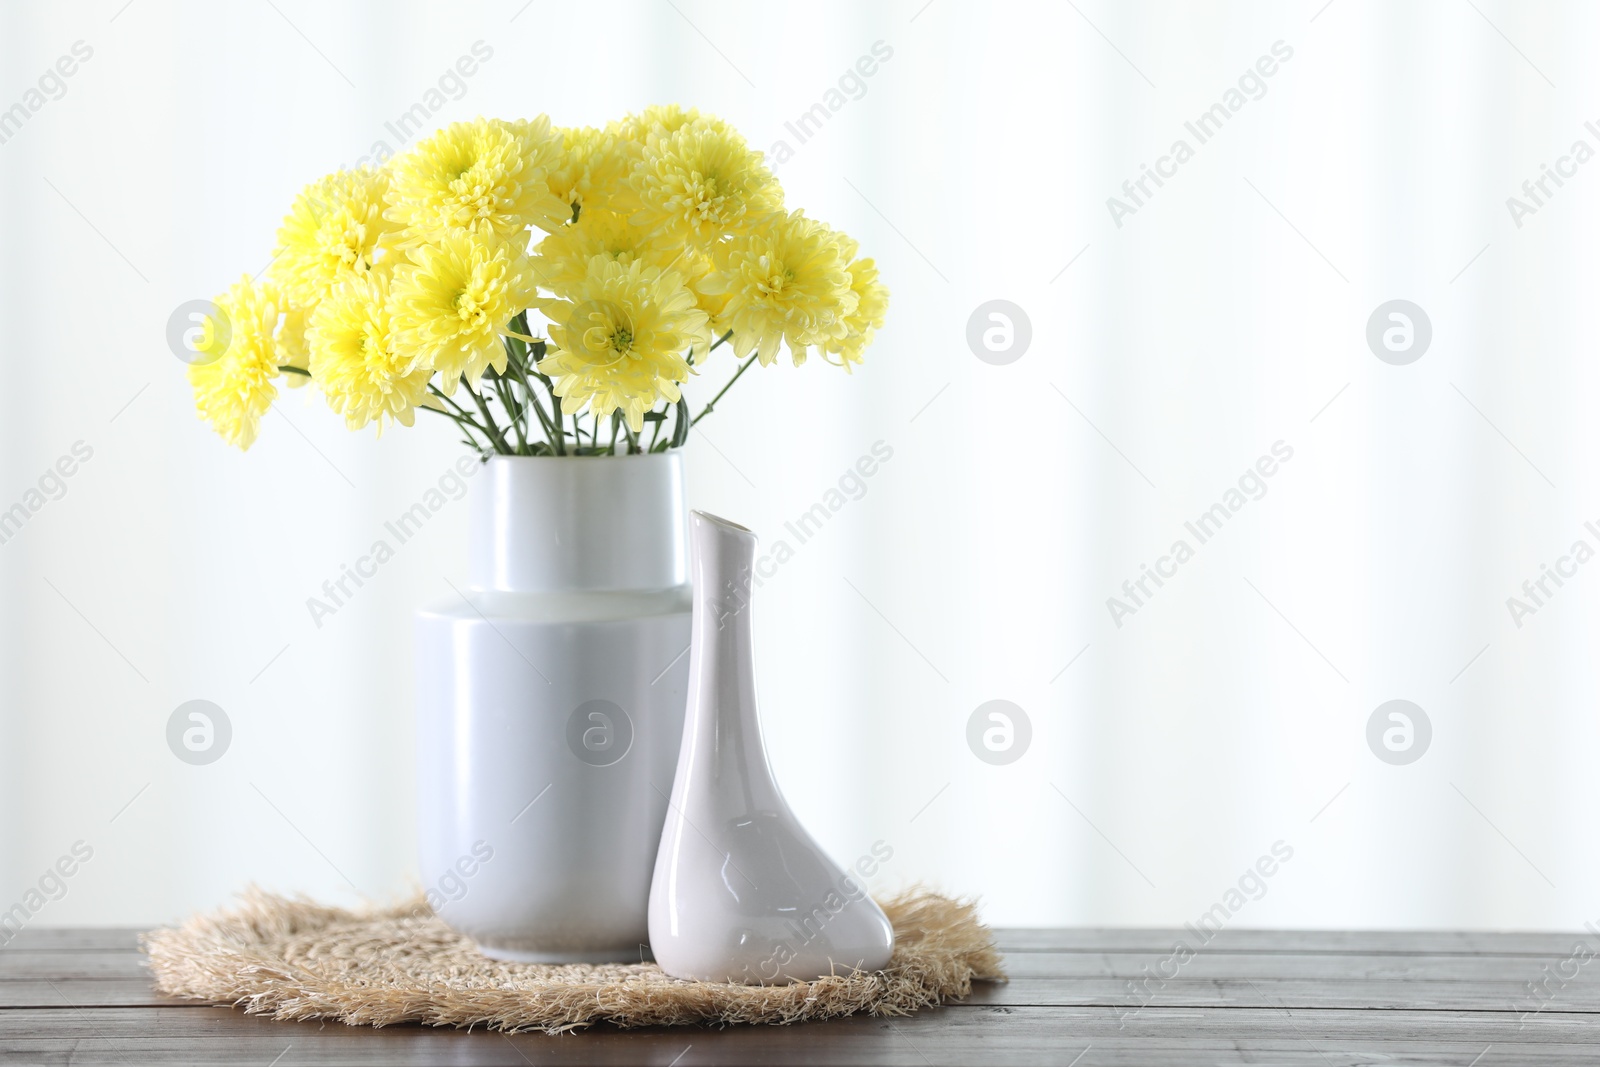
(550, 700)
(741, 892)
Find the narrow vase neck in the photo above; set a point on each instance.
(723, 722)
(571, 523)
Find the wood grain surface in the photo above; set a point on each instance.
(1077, 997)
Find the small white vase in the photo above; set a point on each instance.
(550, 698)
(741, 892)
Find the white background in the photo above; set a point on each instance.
(1227, 314)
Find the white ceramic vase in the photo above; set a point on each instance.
(550, 700)
(741, 892)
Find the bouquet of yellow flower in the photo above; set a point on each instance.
(635, 250)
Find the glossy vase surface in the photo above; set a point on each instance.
(550, 700)
(741, 891)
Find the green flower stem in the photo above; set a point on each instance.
(516, 417)
(560, 441)
(490, 427)
(554, 421)
(461, 413)
(520, 367)
(538, 407)
(736, 376)
(467, 426)
(506, 384)
(286, 369)
(680, 425)
(525, 351)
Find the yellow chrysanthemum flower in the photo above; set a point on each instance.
(453, 301)
(786, 284)
(872, 306)
(699, 183)
(354, 359)
(333, 231)
(237, 359)
(661, 231)
(293, 348)
(659, 119)
(696, 267)
(619, 338)
(593, 166)
(479, 176)
(563, 257)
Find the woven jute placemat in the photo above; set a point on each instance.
(295, 959)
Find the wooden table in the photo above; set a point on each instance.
(1257, 997)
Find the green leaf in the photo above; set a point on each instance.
(680, 429)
